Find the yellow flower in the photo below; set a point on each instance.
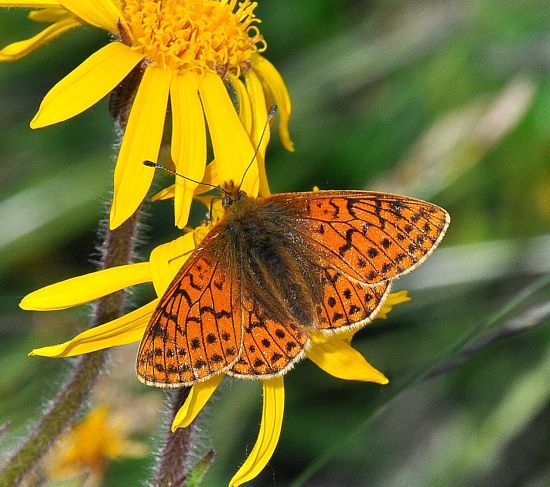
(101, 436)
(185, 50)
(332, 353)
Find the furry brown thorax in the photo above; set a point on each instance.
(258, 240)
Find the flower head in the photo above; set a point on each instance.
(193, 36)
(331, 352)
(187, 51)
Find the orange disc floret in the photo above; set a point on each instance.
(193, 35)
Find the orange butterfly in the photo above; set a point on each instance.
(275, 269)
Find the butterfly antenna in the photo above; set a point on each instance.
(270, 115)
(175, 173)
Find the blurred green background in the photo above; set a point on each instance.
(443, 100)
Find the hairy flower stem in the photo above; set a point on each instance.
(175, 459)
(64, 409)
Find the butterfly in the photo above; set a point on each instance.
(273, 271)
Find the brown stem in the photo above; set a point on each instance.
(175, 459)
(71, 399)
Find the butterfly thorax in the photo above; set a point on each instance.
(258, 242)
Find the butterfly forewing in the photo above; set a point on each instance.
(195, 331)
(371, 237)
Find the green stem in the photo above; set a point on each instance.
(63, 411)
(175, 460)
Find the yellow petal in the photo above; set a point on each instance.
(233, 148)
(86, 84)
(170, 191)
(336, 357)
(210, 178)
(259, 111)
(166, 260)
(101, 13)
(165, 194)
(261, 131)
(245, 110)
(141, 142)
(271, 77)
(51, 14)
(197, 398)
(19, 49)
(86, 288)
(122, 331)
(270, 430)
(393, 300)
(209, 201)
(188, 141)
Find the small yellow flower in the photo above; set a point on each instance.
(185, 51)
(332, 353)
(87, 449)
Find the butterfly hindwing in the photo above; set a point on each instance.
(347, 303)
(371, 237)
(195, 331)
(269, 348)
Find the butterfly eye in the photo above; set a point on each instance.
(227, 200)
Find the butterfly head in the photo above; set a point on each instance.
(231, 194)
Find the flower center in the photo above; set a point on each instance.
(193, 35)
